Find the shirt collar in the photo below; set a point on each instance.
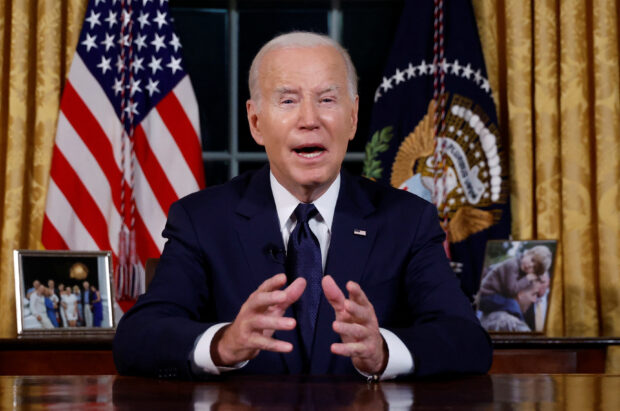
(287, 202)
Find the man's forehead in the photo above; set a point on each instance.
(303, 62)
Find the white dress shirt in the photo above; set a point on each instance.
(400, 360)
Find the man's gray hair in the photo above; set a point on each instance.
(300, 39)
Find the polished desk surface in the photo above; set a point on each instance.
(500, 391)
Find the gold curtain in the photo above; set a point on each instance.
(37, 41)
(555, 70)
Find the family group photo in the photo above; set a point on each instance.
(62, 293)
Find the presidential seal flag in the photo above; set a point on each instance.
(127, 142)
(434, 130)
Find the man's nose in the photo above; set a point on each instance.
(308, 115)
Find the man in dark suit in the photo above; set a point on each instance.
(220, 301)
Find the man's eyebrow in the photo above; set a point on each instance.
(285, 90)
(330, 89)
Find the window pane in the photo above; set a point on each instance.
(216, 172)
(250, 165)
(256, 27)
(204, 36)
(368, 31)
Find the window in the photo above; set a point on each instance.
(220, 39)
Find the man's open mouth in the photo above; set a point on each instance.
(309, 151)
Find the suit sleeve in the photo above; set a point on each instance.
(155, 337)
(444, 336)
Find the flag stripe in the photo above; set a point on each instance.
(181, 128)
(52, 240)
(85, 165)
(66, 222)
(164, 192)
(167, 152)
(87, 127)
(82, 203)
(185, 94)
(97, 102)
(147, 205)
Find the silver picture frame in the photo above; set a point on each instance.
(63, 293)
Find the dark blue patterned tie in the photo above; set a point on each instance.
(303, 259)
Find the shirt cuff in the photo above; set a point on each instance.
(400, 360)
(201, 357)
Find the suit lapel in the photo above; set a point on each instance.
(352, 238)
(259, 232)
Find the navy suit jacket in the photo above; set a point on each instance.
(223, 242)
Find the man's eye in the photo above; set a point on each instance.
(327, 100)
(287, 101)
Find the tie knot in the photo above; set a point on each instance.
(305, 212)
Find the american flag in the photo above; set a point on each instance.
(127, 143)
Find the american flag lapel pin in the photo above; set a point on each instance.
(361, 233)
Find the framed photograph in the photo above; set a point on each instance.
(515, 285)
(63, 293)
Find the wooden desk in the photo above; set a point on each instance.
(566, 391)
(512, 354)
(537, 354)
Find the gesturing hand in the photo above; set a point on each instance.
(357, 325)
(260, 315)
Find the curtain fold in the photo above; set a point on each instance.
(607, 133)
(546, 127)
(555, 70)
(578, 195)
(38, 40)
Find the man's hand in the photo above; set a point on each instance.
(260, 315)
(357, 325)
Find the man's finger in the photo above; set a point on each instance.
(260, 300)
(351, 349)
(348, 331)
(261, 342)
(333, 293)
(358, 313)
(294, 290)
(273, 283)
(357, 294)
(267, 322)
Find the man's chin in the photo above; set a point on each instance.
(315, 178)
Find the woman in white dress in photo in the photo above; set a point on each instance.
(69, 303)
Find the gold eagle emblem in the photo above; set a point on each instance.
(472, 177)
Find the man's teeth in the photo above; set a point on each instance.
(310, 155)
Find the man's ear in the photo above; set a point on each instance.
(251, 107)
(354, 113)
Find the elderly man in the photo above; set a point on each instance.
(86, 300)
(252, 276)
(38, 307)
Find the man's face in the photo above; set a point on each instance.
(306, 117)
(85, 285)
(528, 296)
(50, 284)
